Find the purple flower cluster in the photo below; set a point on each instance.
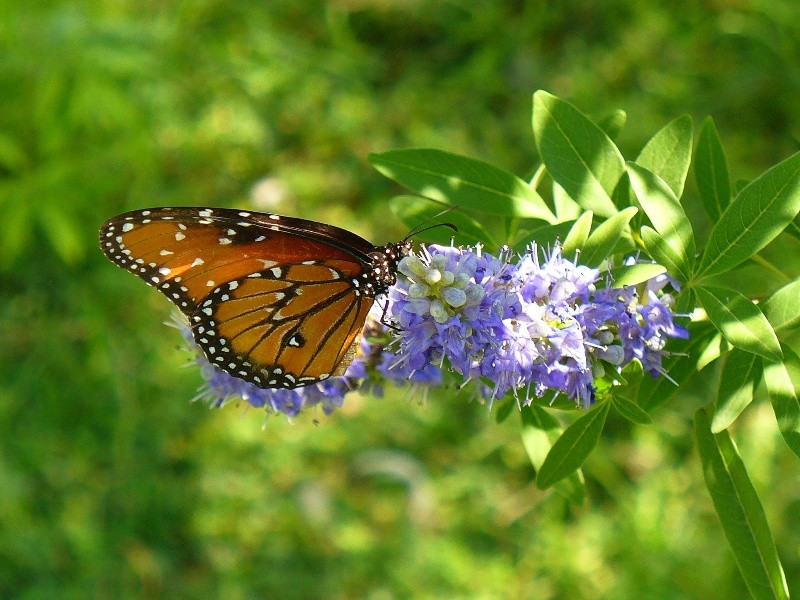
(535, 326)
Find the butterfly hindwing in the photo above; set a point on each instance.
(286, 326)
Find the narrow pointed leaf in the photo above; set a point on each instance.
(740, 321)
(631, 411)
(783, 384)
(462, 181)
(755, 217)
(740, 512)
(658, 248)
(413, 210)
(577, 153)
(633, 274)
(602, 240)
(544, 235)
(664, 211)
(572, 448)
(566, 208)
(540, 430)
(711, 171)
(738, 377)
(577, 236)
(669, 152)
(782, 309)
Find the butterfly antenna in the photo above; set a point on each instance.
(420, 227)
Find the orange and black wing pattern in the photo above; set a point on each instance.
(276, 301)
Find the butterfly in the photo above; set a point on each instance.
(276, 301)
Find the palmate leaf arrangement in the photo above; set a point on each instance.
(579, 291)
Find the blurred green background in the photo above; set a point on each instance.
(112, 484)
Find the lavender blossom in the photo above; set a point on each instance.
(538, 326)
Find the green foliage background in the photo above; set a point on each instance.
(113, 485)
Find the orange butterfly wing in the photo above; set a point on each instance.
(272, 300)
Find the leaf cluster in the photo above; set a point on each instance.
(585, 195)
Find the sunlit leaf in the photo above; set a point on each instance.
(740, 512)
(739, 373)
(711, 171)
(577, 153)
(461, 181)
(665, 212)
(783, 384)
(602, 240)
(544, 236)
(574, 445)
(782, 308)
(658, 248)
(540, 430)
(755, 217)
(577, 236)
(740, 321)
(566, 208)
(668, 153)
(633, 274)
(414, 210)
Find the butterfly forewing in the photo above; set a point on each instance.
(187, 252)
(273, 300)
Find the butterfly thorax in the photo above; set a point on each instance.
(383, 273)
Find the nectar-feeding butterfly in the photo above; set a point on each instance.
(276, 301)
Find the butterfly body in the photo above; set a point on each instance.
(276, 301)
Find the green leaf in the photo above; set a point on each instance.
(613, 123)
(566, 208)
(631, 411)
(461, 181)
(738, 376)
(543, 236)
(633, 274)
(577, 236)
(669, 152)
(664, 211)
(577, 153)
(782, 308)
(574, 445)
(711, 171)
(658, 248)
(755, 217)
(740, 512)
(603, 239)
(540, 430)
(783, 384)
(414, 210)
(740, 321)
